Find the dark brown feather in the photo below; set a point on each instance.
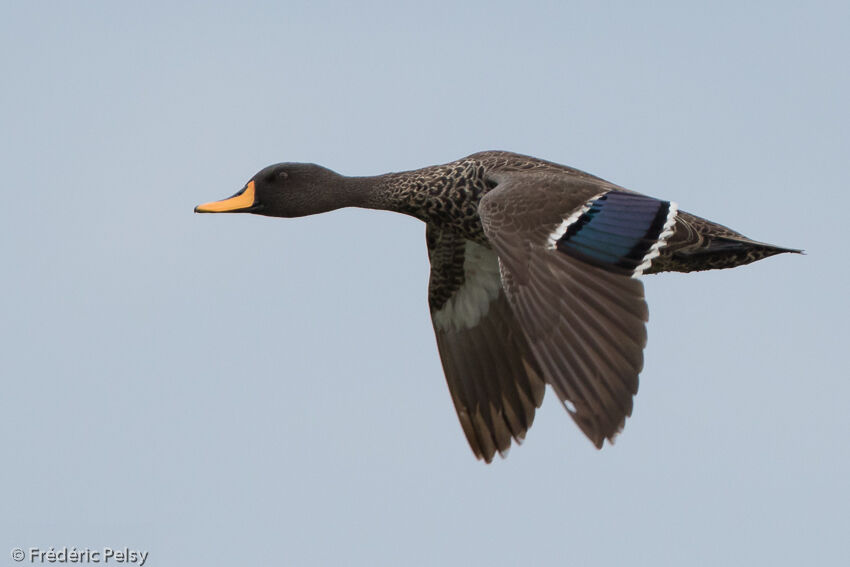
(585, 325)
(493, 378)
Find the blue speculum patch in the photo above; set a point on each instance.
(616, 232)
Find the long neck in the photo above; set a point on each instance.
(446, 196)
(404, 192)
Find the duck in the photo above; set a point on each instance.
(536, 277)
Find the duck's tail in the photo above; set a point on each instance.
(699, 244)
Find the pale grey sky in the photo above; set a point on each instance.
(238, 390)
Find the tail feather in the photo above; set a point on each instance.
(699, 244)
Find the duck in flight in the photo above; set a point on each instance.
(534, 277)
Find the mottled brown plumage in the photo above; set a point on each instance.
(533, 269)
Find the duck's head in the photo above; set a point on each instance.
(284, 190)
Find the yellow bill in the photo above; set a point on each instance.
(244, 199)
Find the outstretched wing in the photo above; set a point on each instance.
(568, 250)
(494, 382)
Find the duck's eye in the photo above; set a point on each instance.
(274, 176)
